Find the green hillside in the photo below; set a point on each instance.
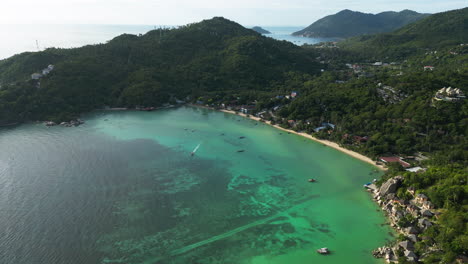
(149, 70)
(349, 23)
(436, 31)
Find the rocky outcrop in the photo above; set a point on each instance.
(72, 123)
(390, 186)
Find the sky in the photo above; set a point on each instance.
(180, 12)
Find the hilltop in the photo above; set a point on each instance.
(349, 23)
(215, 55)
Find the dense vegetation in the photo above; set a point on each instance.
(437, 31)
(349, 23)
(215, 55)
(219, 62)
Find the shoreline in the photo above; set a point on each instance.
(327, 143)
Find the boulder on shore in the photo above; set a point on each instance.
(390, 186)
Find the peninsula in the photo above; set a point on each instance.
(261, 30)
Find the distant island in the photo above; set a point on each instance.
(349, 23)
(261, 30)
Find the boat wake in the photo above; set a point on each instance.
(195, 149)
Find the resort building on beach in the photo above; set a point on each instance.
(403, 163)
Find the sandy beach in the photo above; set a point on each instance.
(324, 142)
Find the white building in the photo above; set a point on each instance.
(449, 94)
(36, 76)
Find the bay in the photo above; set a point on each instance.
(123, 188)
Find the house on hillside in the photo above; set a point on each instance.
(406, 245)
(48, 69)
(427, 205)
(420, 198)
(36, 76)
(449, 94)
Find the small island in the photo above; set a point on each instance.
(261, 30)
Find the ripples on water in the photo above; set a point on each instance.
(123, 189)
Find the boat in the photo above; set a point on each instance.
(323, 251)
(312, 180)
(241, 150)
(195, 150)
(241, 137)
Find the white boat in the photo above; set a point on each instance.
(323, 251)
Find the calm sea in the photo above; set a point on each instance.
(21, 38)
(123, 188)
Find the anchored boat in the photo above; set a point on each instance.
(323, 251)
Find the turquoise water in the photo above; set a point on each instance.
(123, 188)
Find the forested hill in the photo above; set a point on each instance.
(261, 30)
(148, 70)
(349, 23)
(436, 31)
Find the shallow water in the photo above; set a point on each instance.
(123, 188)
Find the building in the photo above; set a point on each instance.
(420, 198)
(387, 160)
(427, 205)
(410, 256)
(413, 210)
(415, 169)
(424, 223)
(426, 213)
(449, 94)
(406, 245)
(247, 109)
(48, 69)
(411, 230)
(36, 76)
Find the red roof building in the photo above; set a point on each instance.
(395, 159)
